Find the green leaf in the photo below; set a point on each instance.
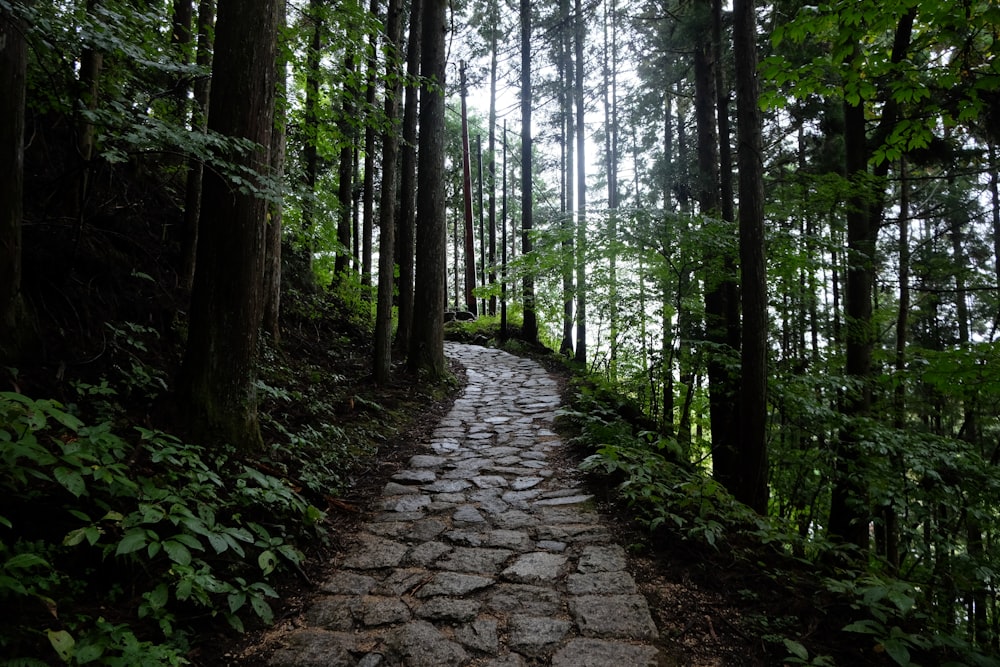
(262, 608)
(72, 480)
(177, 552)
(236, 601)
(133, 540)
(63, 643)
(218, 542)
(159, 596)
(25, 561)
(267, 560)
(88, 653)
(796, 649)
(897, 651)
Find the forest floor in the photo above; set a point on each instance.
(698, 601)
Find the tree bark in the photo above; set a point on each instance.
(217, 381)
(580, 354)
(382, 363)
(407, 181)
(529, 326)
(469, 237)
(345, 172)
(368, 197)
(199, 123)
(272, 266)
(15, 332)
(751, 488)
(427, 344)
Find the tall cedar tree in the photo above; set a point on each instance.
(529, 326)
(406, 219)
(427, 342)
(382, 365)
(751, 487)
(216, 385)
(14, 333)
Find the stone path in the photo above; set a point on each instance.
(482, 552)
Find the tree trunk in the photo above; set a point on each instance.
(529, 327)
(382, 365)
(368, 198)
(610, 92)
(469, 237)
(581, 190)
(199, 123)
(15, 332)
(216, 387)
(491, 149)
(345, 172)
(751, 487)
(717, 296)
(272, 274)
(408, 182)
(568, 174)
(427, 344)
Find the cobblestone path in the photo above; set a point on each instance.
(482, 552)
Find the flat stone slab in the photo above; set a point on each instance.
(601, 653)
(601, 583)
(613, 616)
(536, 635)
(454, 584)
(420, 644)
(602, 558)
(375, 552)
(536, 567)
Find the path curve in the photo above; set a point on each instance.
(481, 552)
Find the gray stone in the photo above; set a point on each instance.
(332, 613)
(480, 635)
(565, 500)
(471, 559)
(600, 583)
(515, 519)
(408, 503)
(509, 660)
(383, 611)
(468, 514)
(524, 599)
(613, 616)
(424, 530)
(426, 553)
(550, 545)
(602, 558)
(447, 486)
(420, 644)
(535, 568)
(449, 609)
(490, 481)
(402, 581)
(601, 653)
(397, 489)
(522, 483)
(574, 533)
(349, 583)
(415, 477)
(536, 635)
(426, 461)
(310, 647)
(454, 584)
(375, 552)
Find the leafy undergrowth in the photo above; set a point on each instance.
(122, 544)
(731, 588)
